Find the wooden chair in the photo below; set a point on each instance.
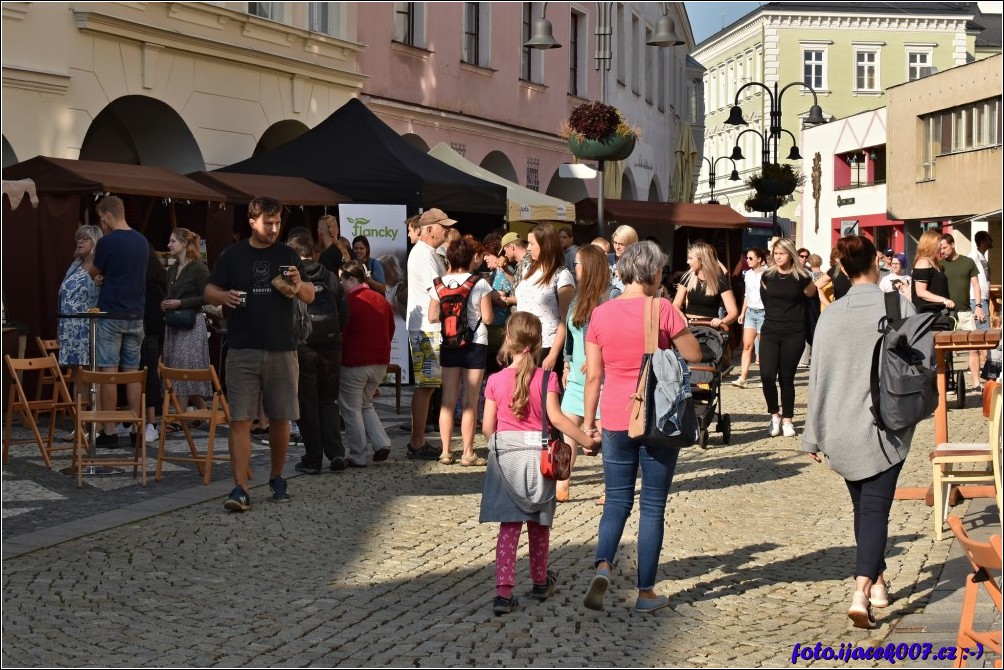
(56, 401)
(87, 415)
(216, 414)
(984, 557)
(948, 456)
(395, 369)
(47, 379)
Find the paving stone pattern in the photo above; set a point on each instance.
(388, 565)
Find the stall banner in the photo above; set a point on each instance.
(384, 226)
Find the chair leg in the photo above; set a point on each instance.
(939, 501)
(209, 451)
(8, 426)
(191, 446)
(163, 441)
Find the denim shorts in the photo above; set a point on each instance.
(119, 344)
(425, 348)
(274, 374)
(985, 304)
(753, 320)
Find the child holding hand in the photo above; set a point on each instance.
(513, 424)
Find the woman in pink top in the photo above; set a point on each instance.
(614, 347)
(513, 421)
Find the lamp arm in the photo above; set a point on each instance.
(755, 83)
(543, 11)
(722, 158)
(790, 134)
(815, 98)
(750, 130)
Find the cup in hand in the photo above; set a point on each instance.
(243, 295)
(284, 270)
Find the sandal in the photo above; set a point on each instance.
(173, 428)
(446, 459)
(473, 461)
(602, 499)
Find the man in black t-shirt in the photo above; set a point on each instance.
(259, 279)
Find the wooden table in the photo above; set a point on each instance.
(946, 344)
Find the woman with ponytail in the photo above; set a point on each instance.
(513, 411)
(187, 348)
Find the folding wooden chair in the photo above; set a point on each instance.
(984, 557)
(87, 415)
(47, 379)
(58, 400)
(947, 458)
(216, 414)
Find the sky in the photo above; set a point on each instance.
(707, 18)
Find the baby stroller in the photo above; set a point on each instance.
(706, 380)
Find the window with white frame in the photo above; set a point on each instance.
(409, 23)
(694, 94)
(730, 83)
(621, 44)
(530, 63)
(814, 68)
(649, 65)
(976, 125)
(577, 54)
(324, 17)
(273, 11)
(866, 70)
(750, 75)
(723, 101)
(635, 56)
(662, 55)
(476, 33)
(918, 63)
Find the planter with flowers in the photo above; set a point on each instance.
(762, 202)
(775, 179)
(597, 131)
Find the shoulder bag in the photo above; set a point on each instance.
(662, 408)
(555, 455)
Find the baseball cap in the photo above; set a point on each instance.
(889, 252)
(435, 215)
(509, 238)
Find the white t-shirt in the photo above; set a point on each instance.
(424, 265)
(542, 301)
(752, 279)
(480, 290)
(983, 268)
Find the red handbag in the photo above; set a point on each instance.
(555, 455)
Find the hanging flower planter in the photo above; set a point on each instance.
(762, 202)
(610, 148)
(775, 180)
(597, 131)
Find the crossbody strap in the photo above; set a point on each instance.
(545, 436)
(651, 326)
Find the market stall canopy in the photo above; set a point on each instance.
(240, 189)
(524, 204)
(354, 152)
(65, 176)
(633, 212)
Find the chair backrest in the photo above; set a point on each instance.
(46, 347)
(84, 378)
(46, 365)
(169, 376)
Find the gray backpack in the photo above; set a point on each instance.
(904, 386)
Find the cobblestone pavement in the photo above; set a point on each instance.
(388, 565)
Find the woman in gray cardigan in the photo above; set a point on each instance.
(839, 423)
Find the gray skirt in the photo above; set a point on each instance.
(498, 504)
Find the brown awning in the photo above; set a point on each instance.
(633, 212)
(241, 189)
(67, 176)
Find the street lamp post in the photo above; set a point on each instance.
(773, 137)
(543, 38)
(734, 176)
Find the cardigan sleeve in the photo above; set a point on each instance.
(192, 285)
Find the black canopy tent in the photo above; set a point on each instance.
(355, 153)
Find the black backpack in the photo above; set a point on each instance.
(319, 323)
(453, 312)
(904, 386)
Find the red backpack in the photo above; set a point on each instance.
(453, 312)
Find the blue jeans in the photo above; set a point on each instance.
(621, 457)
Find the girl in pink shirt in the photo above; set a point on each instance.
(513, 422)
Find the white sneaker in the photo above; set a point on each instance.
(739, 382)
(151, 433)
(788, 429)
(775, 426)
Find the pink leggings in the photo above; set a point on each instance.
(505, 555)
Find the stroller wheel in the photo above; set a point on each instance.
(702, 438)
(725, 428)
(960, 390)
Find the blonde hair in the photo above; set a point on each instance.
(602, 243)
(522, 336)
(789, 248)
(705, 254)
(626, 234)
(927, 247)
